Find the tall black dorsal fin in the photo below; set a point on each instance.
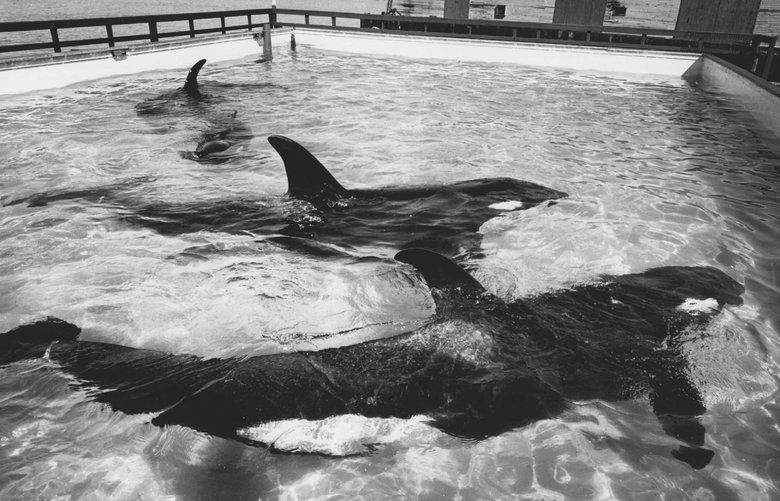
(191, 85)
(306, 176)
(440, 272)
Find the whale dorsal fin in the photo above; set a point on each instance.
(32, 340)
(306, 176)
(440, 272)
(191, 85)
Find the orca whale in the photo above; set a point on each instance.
(225, 135)
(497, 366)
(445, 218)
(190, 92)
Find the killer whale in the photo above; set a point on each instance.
(525, 360)
(445, 218)
(224, 135)
(165, 102)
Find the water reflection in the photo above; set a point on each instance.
(658, 173)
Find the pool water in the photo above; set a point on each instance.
(658, 173)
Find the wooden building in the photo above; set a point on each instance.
(724, 16)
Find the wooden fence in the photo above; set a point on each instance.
(754, 52)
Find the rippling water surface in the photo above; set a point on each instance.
(659, 173)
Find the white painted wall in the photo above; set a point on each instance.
(759, 97)
(572, 57)
(68, 69)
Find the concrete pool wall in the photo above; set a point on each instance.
(574, 57)
(41, 72)
(711, 73)
(755, 94)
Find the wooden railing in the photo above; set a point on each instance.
(754, 52)
(250, 19)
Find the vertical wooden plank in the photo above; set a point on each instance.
(769, 57)
(333, 21)
(267, 49)
(720, 16)
(249, 22)
(456, 9)
(110, 35)
(222, 24)
(55, 38)
(153, 32)
(306, 18)
(192, 27)
(584, 12)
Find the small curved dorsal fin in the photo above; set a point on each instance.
(191, 85)
(440, 272)
(306, 176)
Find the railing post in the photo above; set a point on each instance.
(755, 45)
(514, 33)
(192, 27)
(306, 18)
(55, 38)
(110, 35)
(222, 24)
(333, 21)
(643, 41)
(272, 15)
(153, 31)
(267, 49)
(587, 36)
(769, 56)
(249, 22)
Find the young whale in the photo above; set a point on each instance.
(218, 144)
(190, 92)
(445, 218)
(495, 365)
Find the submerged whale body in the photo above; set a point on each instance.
(445, 218)
(218, 144)
(189, 93)
(497, 365)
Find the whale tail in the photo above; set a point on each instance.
(32, 340)
(306, 176)
(191, 85)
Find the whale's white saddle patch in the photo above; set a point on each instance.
(508, 205)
